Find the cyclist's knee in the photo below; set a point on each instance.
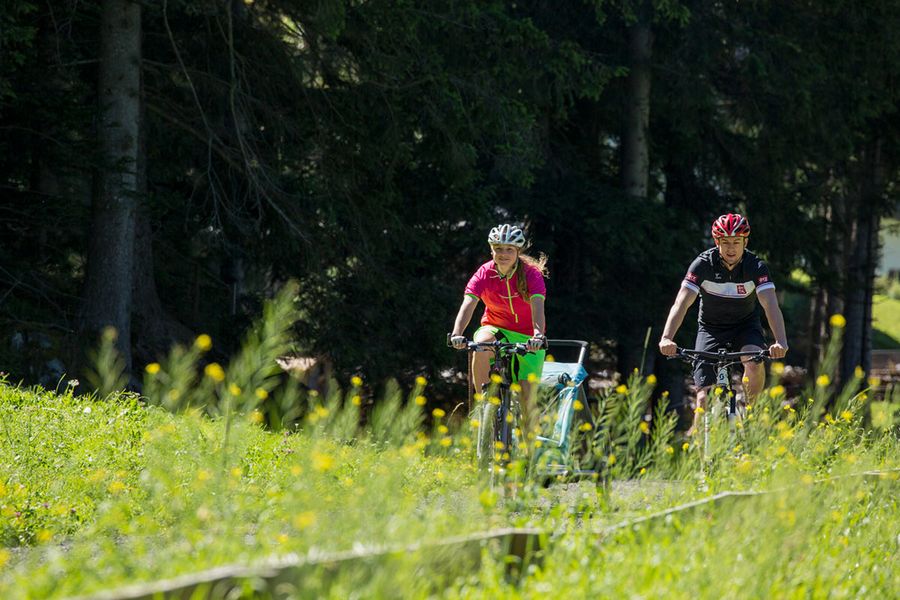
(702, 394)
(752, 370)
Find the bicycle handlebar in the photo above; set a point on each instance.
(718, 357)
(496, 346)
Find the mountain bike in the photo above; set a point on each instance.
(499, 436)
(722, 361)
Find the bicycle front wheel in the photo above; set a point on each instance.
(486, 415)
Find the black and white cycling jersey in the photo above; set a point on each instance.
(727, 297)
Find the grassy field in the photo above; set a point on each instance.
(886, 322)
(100, 492)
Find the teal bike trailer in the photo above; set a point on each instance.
(565, 406)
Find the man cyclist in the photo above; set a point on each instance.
(512, 287)
(729, 280)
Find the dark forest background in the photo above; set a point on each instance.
(167, 165)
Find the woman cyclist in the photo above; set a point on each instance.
(511, 285)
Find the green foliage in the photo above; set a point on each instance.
(364, 148)
(133, 492)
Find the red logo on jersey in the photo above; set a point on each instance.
(741, 289)
(691, 277)
(762, 279)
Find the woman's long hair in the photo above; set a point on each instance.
(540, 263)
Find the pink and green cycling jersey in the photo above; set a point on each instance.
(503, 305)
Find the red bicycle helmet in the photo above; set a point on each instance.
(730, 225)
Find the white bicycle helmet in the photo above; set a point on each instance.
(507, 234)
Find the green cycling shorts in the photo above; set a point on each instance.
(522, 366)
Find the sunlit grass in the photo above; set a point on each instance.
(226, 464)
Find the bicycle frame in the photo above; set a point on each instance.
(722, 361)
(503, 429)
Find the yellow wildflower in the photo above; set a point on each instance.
(203, 342)
(776, 391)
(645, 428)
(152, 368)
(611, 460)
(685, 446)
(670, 450)
(586, 427)
(438, 413)
(304, 520)
(858, 372)
(651, 379)
(823, 380)
(356, 381)
(442, 429)
(234, 390)
(215, 372)
(261, 394)
(532, 378)
(838, 321)
(847, 415)
(321, 461)
(515, 387)
(496, 378)
(421, 381)
(577, 405)
(445, 442)
(622, 389)
(356, 400)
(778, 367)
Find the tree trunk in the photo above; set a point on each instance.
(635, 152)
(108, 282)
(155, 330)
(862, 261)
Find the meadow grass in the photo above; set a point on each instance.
(220, 465)
(886, 321)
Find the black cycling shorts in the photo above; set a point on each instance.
(733, 339)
